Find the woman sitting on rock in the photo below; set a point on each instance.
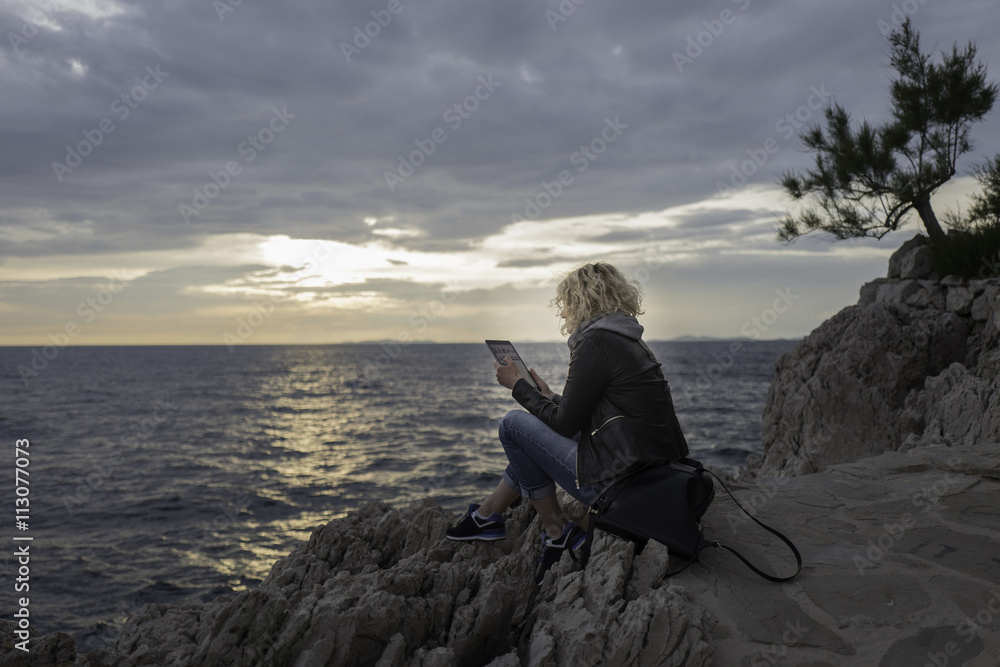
(560, 439)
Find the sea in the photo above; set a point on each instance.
(161, 474)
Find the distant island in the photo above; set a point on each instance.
(679, 339)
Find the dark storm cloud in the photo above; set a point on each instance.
(551, 93)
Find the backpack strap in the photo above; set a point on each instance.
(591, 517)
(584, 557)
(798, 557)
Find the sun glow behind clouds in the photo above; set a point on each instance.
(324, 273)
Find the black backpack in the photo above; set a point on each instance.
(665, 502)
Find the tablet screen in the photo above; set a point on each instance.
(504, 348)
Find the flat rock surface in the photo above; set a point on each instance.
(901, 558)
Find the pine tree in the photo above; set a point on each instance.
(867, 181)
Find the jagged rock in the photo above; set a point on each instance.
(869, 291)
(913, 363)
(961, 405)
(917, 263)
(928, 297)
(952, 281)
(985, 303)
(56, 649)
(959, 299)
(837, 395)
(897, 550)
(896, 260)
(897, 291)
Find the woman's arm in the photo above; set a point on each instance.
(542, 386)
(508, 375)
(585, 381)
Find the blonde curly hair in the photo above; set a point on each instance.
(592, 290)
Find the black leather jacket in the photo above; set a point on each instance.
(608, 365)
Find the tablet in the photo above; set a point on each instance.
(504, 348)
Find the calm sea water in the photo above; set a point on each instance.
(162, 474)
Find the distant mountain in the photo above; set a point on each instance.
(703, 339)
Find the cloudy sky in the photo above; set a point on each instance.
(313, 172)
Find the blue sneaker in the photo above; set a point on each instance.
(572, 538)
(474, 527)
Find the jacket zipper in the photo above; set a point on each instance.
(594, 432)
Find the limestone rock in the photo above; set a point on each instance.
(837, 395)
(952, 281)
(897, 550)
(57, 648)
(383, 586)
(869, 291)
(917, 263)
(915, 363)
(959, 299)
(897, 291)
(896, 260)
(985, 303)
(932, 296)
(962, 404)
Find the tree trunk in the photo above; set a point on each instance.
(923, 206)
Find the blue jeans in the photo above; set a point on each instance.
(539, 458)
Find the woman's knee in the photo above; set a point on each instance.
(510, 421)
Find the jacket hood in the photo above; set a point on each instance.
(618, 322)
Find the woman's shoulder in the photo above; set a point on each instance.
(608, 337)
(611, 345)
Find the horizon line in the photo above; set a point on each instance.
(679, 339)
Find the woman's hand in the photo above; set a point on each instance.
(542, 387)
(507, 373)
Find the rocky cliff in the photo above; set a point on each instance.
(915, 362)
(899, 553)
